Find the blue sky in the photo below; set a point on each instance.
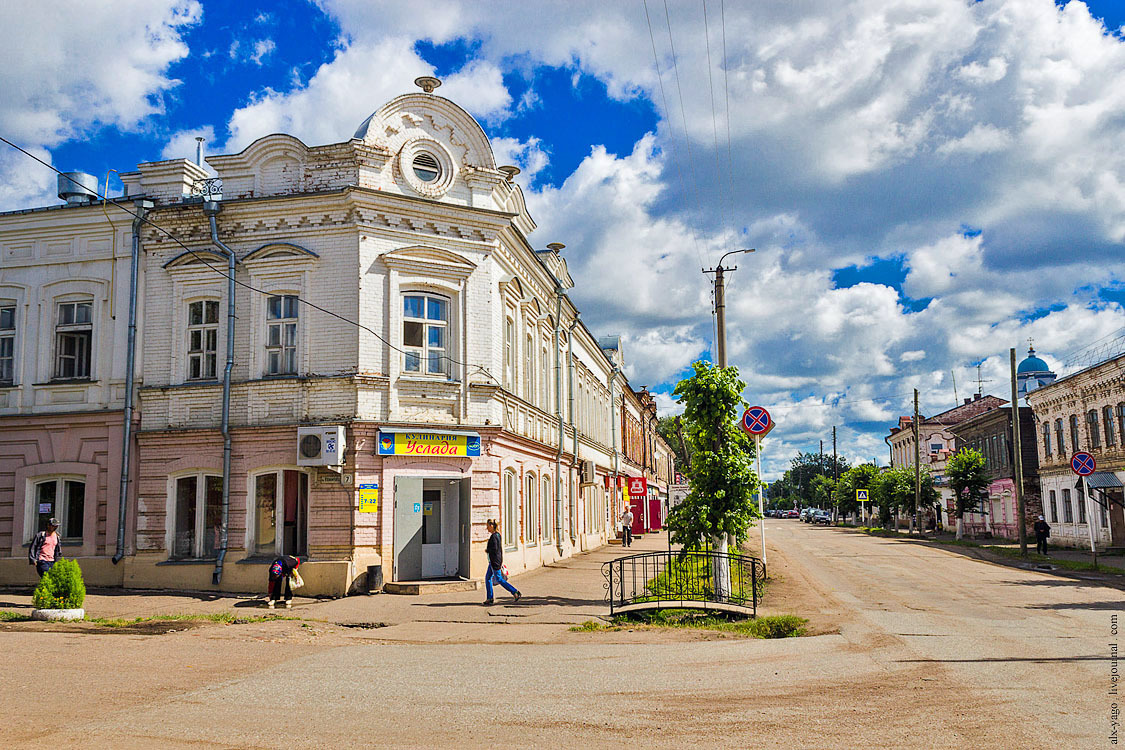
(927, 183)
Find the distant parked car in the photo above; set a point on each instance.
(791, 513)
(822, 516)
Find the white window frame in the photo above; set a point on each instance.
(545, 381)
(509, 353)
(424, 354)
(208, 334)
(529, 369)
(509, 520)
(200, 477)
(278, 509)
(7, 343)
(286, 346)
(531, 509)
(61, 510)
(82, 331)
(548, 503)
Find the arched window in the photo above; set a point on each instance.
(548, 501)
(531, 511)
(1092, 426)
(63, 498)
(1060, 439)
(1107, 420)
(511, 509)
(1046, 439)
(1074, 433)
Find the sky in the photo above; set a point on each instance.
(926, 183)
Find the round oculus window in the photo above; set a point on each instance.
(426, 167)
(310, 446)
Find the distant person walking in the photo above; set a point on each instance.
(45, 549)
(280, 570)
(1042, 533)
(627, 527)
(495, 551)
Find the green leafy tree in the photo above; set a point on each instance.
(823, 491)
(969, 482)
(860, 477)
(803, 470)
(721, 505)
(894, 492)
(668, 427)
(61, 587)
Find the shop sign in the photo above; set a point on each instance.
(433, 444)
(369, 498)
(638, 487)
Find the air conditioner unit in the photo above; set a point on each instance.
(587, 472)
(320, 446)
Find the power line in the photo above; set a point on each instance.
(714, 112)
(142, 218)
(726, 93)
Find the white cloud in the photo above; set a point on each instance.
(262, 48)
(182, 145)
(529, 156)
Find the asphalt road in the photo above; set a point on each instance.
(922, 648)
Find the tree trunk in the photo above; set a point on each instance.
(720, 567)
(960, 526)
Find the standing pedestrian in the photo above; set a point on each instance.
(280, 570)
(627, 527)
(1042, 532)
(45, 549)
(495, 551)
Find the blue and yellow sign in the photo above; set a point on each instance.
(861, 496)
(369, 498)
(433, 444)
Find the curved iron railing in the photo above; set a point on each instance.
(658, 580)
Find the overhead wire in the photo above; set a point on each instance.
(726, 109)
(714, 111)
(145, 220)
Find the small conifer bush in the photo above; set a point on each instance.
(61, 587)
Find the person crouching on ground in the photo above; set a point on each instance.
(45, 549)
(495, 551)
(1042, 532)
(279, 580)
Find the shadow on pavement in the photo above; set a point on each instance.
(1118, 605)
(525, 601)
(987, 659)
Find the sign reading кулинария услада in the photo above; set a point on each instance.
(428, 444)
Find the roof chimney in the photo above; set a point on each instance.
(976, 397)
(968, 401)
(78, 188)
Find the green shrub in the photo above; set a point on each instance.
(61, 587)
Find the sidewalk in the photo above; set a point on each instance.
(568, 592)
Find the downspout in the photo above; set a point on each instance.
(558, 410)
(613, 441)
(573, 426)
(130, 367)
(212, 208)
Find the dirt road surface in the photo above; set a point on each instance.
(918, 648)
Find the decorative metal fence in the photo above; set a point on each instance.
(663, 580)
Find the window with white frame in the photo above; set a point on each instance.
(529, 369)
(531, 511)
(1080, 501)
(280, 513)
(1068, 510)
(511, 509)
(544, 381)
(198, 515)
(1054, 508)
(281, 334)
(548, 516)
(425, 333)
(203, 336)
(64, 499)
(509, 344)
(7, 344)
(74, 331)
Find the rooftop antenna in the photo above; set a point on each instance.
(956, 398)
(980, 381)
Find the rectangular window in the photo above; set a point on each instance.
(265, 515)
(511, 510)
(1074, 433)
(198, 517)
(544, 381)
(529, 369)
(1092, 426)
(1081, 503)
(1060, 442)
(509, 342)
(1107, 420)
(1046, 439)
(73, 337)
(7, 344)
(548, 516)
(425, 334)
(281, 335)
(1054, 508)
(531, 512)
(65, 500)
(1068, 511)
(935, 447)
(203, 335)
(1121, 422)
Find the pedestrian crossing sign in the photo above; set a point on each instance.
(861, 496)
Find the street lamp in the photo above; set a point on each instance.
(720, 305)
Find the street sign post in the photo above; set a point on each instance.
(1083, 464)
(758, 422)
(861, 497)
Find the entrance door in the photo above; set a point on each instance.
(1114, 497)
(433, 552)
(408, 528)
(464, 529)
(637, 505)
(653, 513)
(295, 522)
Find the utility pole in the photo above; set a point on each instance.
(917, 465)
(1017, 459)
(721, 306)
(835, 475)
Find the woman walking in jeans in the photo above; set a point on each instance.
(495, 551)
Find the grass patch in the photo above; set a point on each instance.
(9, 616)
(222, 617)
(774, 626)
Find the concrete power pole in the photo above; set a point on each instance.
(917, 465)
(1017, 459)
(721, 306)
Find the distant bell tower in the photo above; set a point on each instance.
(1032, 373)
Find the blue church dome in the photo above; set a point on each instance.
(1032, 364)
